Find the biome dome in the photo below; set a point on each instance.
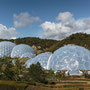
(6, 48)
(41, 58)
(70, 57)
(21, 49)
(27, 54)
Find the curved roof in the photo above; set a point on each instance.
(20, 49)
(27, 54)
(6, 48)
(70, 57)
(41, 58)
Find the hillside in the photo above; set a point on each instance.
(43, 45)
(77, 39)
(37, 43)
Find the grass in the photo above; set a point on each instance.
(63, 85)
(72, 82)
(12, 85)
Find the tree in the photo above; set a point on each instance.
(3, 63)
(20, 69)
(36, 73)
(9, 73)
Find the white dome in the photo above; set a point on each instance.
(41, 58)
(21, 49)
(70, 57)
(6, 48)
(27, 54)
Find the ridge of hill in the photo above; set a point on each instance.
(43, 45)
(77, 39)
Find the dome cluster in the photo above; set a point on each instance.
(10, 49)
(69, 57)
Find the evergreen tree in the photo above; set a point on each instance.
(36, 73)
(9, 73)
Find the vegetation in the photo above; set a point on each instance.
(77, 39)
(18, 72)
(43, 45)
(15, 76)
(36, 73)
(40, 44)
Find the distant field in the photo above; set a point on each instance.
(62, 85)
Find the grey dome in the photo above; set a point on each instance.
(20, 49)
(70, 57)
(41, 58)
(6, 48)
(27, 54)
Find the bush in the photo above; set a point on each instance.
(36, 73)
(52, 83)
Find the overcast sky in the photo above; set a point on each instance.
(51, 19)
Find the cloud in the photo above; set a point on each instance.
(7, 33)
(66, 16)
(24, 19)
(65, 27)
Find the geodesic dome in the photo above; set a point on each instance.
(41, 58)
(6, 48)
(21, 49)
(28, 63)
(27, 54)
(70, 57)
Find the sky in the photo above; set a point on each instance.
(49, 19)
